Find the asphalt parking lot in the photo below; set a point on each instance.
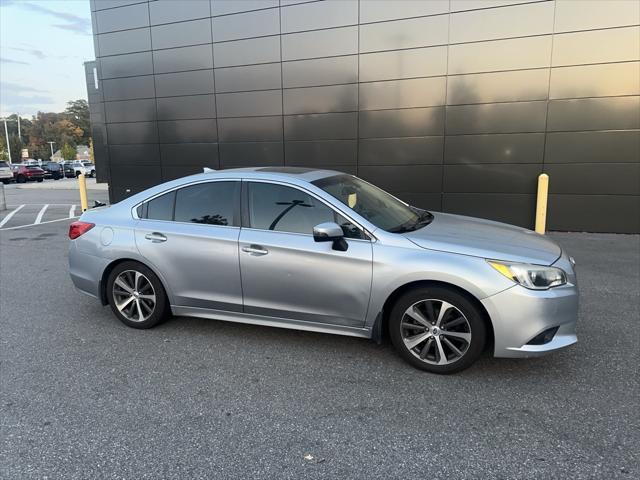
(83, 396)
(37, 203)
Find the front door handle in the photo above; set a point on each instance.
(255, 250)
(156, 237)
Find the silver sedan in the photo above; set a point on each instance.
(327, 252)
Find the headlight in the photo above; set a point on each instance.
(535, 277)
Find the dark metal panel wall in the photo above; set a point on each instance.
(454, 105)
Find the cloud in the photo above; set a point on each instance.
(72, 22)
(17, 88)
(16, 62)
(39, 54)
(22, 98)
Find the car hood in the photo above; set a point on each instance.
(484, 238)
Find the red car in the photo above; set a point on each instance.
(28, 173)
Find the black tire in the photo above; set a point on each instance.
(77, 174)
(39, 180)
(21, 179)
(475, 324)
(6, 181)
(161, 309)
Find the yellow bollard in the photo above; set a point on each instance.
(541, 205)
(82, 184)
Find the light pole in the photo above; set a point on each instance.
(51, 145)
(6, 132)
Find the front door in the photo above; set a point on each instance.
(190, 236)
(286, 274)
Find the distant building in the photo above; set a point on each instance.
(82, 153)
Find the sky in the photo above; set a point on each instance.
(43, 44)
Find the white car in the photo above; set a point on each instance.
(6, 175)
(87, 168)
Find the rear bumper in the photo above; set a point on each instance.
(86, 270)
(519, 315)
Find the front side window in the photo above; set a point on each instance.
(374, 204)
(286, 209)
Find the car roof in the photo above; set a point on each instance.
(295, 174)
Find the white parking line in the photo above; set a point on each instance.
(41, 214)
(10, 215)
(34, 224)
(72, 211)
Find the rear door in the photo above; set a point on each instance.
(190, 235)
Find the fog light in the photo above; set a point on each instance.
(544, 337)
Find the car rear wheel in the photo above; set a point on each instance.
(21, 179)
(40, 179)
(136, 295)
(437, 329)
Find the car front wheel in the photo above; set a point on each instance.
(136, 295)
(437, 329)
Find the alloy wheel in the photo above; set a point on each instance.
(435, 332)
(134, 296)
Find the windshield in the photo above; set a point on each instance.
(374, 204)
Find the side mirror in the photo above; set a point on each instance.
(331, 232)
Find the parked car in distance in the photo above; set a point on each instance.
(6, 175)
(328, 252)
(52, 170)
(68, 170)
(28, 173)
(86, 168)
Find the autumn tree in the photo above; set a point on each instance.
(68, 152)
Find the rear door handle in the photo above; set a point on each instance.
(156, 237)
(255, 250)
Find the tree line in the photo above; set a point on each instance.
(67, 129)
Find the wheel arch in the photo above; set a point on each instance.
(380, 329)
(102, 286)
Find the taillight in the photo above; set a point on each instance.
(79, 228)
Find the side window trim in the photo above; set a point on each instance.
(236, 202)
(246, 222)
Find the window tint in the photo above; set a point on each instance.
(161, 208)
(286, 209)
(4, 164)
(211, 203)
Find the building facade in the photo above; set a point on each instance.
(452, 105)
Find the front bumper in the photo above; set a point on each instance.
(519, 315)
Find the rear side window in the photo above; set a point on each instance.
(161, 208)
(210, 203)
(4, 164)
